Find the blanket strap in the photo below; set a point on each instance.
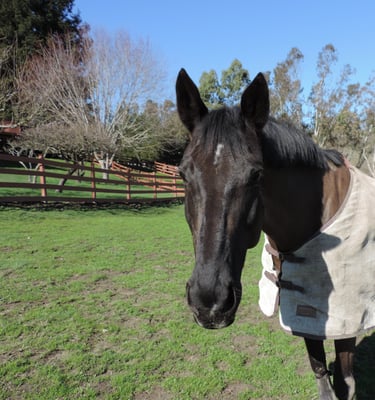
(283, 256)
(290, 257)
(289, 285)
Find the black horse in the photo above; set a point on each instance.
(244, 173)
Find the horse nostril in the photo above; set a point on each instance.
(190, 301)
(230, 300)
(225, 301)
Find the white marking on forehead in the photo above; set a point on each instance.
(219, 149)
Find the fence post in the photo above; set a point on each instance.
(155, 186)
(128, 174)
(42, 177)
(175, 186)
(93, 181)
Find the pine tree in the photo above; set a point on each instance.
(228, 91)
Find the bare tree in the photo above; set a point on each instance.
(125, 75)
(6, 92)
(53, 100)
(85, 102)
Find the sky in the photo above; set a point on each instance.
(200, 35)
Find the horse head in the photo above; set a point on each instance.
(222, 169)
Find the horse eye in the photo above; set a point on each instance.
(256, 175)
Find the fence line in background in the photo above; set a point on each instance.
(49, 180)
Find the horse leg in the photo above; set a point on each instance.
(343, 379)
(318, 362)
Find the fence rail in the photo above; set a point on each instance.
(45, 180)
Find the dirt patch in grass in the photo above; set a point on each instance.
(245, 344)
(156, 393)
(56, 356)
(232, 391)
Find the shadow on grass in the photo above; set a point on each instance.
(364, 368)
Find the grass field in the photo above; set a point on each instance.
(92, 306)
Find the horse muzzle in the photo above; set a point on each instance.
(214, 313)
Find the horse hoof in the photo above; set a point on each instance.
(325, 388)
(345, 388)
(350, 382)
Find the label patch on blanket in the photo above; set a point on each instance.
(306, 311)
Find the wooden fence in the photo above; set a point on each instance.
(46, 180)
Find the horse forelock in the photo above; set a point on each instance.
(223, 131)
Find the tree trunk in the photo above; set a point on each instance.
(105, 161)
(70, 173)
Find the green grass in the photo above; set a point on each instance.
(92, 306)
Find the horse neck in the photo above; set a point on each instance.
(298, 201)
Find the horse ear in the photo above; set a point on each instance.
(190, 106)
(255, 103)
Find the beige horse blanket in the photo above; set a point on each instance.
(335, 272)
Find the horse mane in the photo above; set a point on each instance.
(283, 144)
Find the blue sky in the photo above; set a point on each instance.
(204, 35)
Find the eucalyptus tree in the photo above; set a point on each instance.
(286, 88)
(342, 109)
